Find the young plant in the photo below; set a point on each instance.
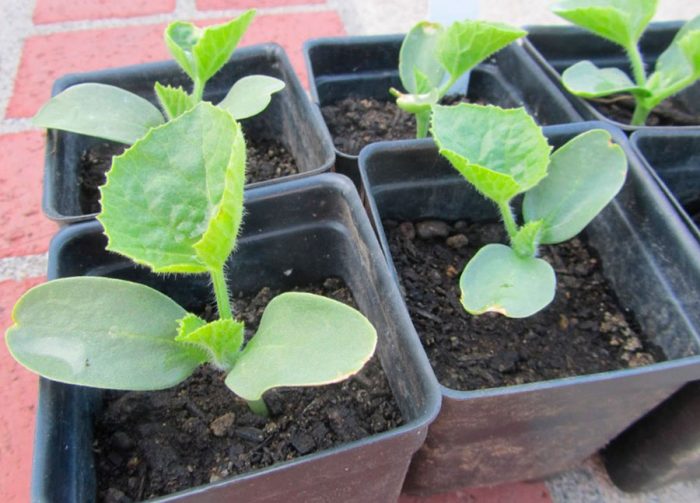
(503, 153)
(174, 203)
(623, 22)
(112, 113)
(432, 59)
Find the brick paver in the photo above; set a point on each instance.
(18, 394)
(247, 4)
(55, 11)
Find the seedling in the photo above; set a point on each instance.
(623, 22)
(112, 113)
(433, 58)
(503, 153)
(174, 203)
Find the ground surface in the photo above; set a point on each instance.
(43, 39)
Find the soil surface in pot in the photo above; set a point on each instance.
(356, 122)
(267, 159)
(583, 331)
(149, 444)
(671, 112)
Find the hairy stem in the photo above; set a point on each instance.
(641, 112)
(640, 76)
(258, 407)
(422, 122)
(221, 291)
(508, 219)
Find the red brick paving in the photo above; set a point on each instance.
(24, 229)
(56, 11)
(535, 492)
(18, 394)
(248, 4)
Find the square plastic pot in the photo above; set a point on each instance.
(366, 67)
(555, 48)
(290, 119)
(529, 431)
(295, 232)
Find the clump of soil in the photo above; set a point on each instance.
(266, 159)
(356, 122)
(149, 444)
(583, 331)
(671, 112)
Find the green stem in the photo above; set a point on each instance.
(198, 90)
(258, 407)
(508, 219)
(221, 292)
(640, 77)
(422, 122)
(640, 115)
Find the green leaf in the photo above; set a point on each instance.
(501, 152)
(584, 176)
(174, 100)
(202, 52)
(620, 21)
(588, 81)
(101, 111)
(463, 45)
(419, 69)
(220, 339)
(497, 280)
(528, 238)
(250, 95)
(174, 200)
(101, 332)
(303, 340)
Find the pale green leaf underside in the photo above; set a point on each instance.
(419, 69)
(303, 340)
(170, 189)
(250, 95)
(101, 332)
(174, 100)
(220, 339)
(588, 81)
(497, 280)
(463, 45)
(620, 21)
(506, 148)
(101, 111)
(584, 176)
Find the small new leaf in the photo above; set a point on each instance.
(220, 339)
(528, 238)
(303, 340)
(103, 333)
(497, 280)
(174, 100)
(250, 95)
(101, 111)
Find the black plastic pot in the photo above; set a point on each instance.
(295, 233)
(555, 48)
(529, 431)
(368, 66)
(290, 119)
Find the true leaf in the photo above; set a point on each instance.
(463, 45)
(174, 100)
(100, 110)
(528, 238)
(184, 216)
(584, 176)
(303, 340)
(250, 95)
(501, 152)
(497, 280)
(587, 80)
(220, 339)
(680, 62)
(419, 69)
(101, 332)
(620, 21)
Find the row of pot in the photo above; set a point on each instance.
(308, 228)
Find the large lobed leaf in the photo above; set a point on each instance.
(501, 152)
(101, 111)
(303, 340)
(463, 45)
(584, 176)
(620, 21)
(174, 200)
(101, 332)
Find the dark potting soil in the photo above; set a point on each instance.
(149, 444)
(266, 159)
(671, 112)
(356, 122)
(583, 331)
